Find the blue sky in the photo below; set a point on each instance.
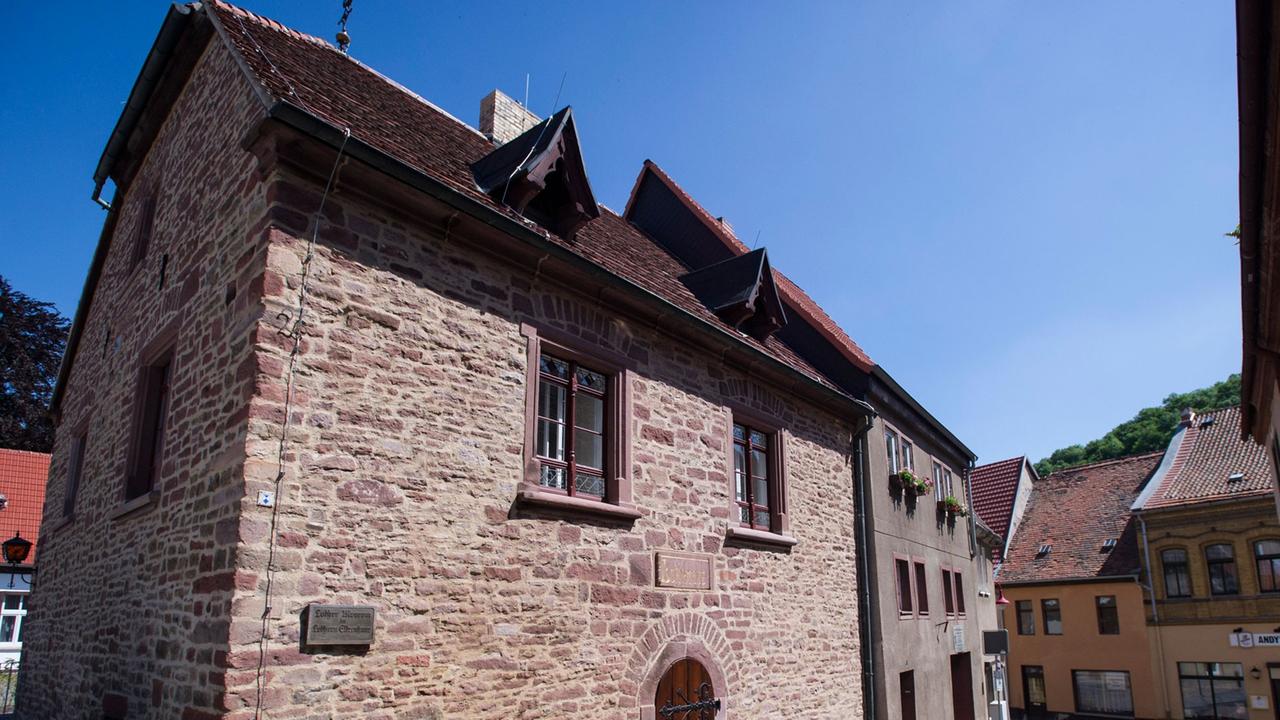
(1016, 208)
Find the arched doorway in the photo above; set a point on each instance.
(685, 692)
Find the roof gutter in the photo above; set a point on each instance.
(175, 23)
(881, 375)
(295, 117)
(1252, 49)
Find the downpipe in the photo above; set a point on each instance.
(864, 570)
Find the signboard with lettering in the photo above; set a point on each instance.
(682, 570)
(957, 638)
(1252, 640)
(339, 625)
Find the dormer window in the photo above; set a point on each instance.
(741, 291)
(541, 175)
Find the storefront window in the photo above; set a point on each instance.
(1102, 692)
(1212, 691)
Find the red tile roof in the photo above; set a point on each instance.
(1075, 511)
(995, 487)
(23, 476)
(1210, 452)
(312, 74)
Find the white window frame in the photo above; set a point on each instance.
(891, 449)
(908, 459)
(18, 614)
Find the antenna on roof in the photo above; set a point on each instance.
(756, 244)
(344, 40)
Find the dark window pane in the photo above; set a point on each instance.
(762, 519)
(1026, 618)
(588, 412)
(948, 601)
(12, 602)
(760, 439)
(904, 585)
(588, 450)
(959, 592)
(554, 366)
(739, 432)
(1052, 617)
(1108, 615)
(589, 484)
(6, 628)
(591, 380)
(922, 590)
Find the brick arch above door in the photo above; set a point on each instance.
(684, 635)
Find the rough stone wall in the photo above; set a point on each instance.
(404, 463)
(130, 611)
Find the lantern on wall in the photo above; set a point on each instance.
(16, 549)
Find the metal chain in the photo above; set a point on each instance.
(344, 39)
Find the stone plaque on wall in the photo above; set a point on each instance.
(339, 625)
(682, 570)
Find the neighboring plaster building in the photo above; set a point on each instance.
(1077, 635)
(1257, 56)
(1001, 491)
(1211, 551)
(338, 348)
(23, 475)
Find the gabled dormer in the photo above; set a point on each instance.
(541, 175)
(742, 292)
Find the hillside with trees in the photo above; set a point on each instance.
(1148, 431)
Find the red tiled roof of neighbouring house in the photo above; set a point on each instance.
(995, 487)
(23, 476)
(312, 74)
(1212, 463)
(1075, 512)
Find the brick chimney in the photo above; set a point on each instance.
(502, 119)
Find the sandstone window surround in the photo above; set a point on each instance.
(552, 478)
(913, 593)
(953, 592)
(75, 467)
(150, 422)
(752, 440)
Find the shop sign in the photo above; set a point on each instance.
(1250, 640)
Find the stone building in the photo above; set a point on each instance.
(384, 416)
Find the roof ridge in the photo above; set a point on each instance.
(15, 451)
(1103, 463)
(993, 463)
(280, 27)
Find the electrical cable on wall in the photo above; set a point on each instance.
(293, 331)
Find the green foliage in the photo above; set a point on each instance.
(1148, 431)
(32, 337)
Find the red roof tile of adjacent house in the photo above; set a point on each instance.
(23, 476)
(995, 487)
(312, 74)
(1211, 463)
(1075, 512)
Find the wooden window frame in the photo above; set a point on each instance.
(1210, 565)
(75, 472)
(153, 407)
(948, 592)
(906, 454)
(778, 532)
(144, 230)
(1025, 629)
(1186, 572)
(905, 594)
(1257, 564)
(617, 500)
(1115, 610)
(1044, 615)
(957, 580)
(919, 574)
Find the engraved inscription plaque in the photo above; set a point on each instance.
(685, 571)
(339, 625)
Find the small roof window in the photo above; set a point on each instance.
(1043, 551)
(1235, 477)
(1108, 545)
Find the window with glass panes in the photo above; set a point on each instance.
(908, 459)
(1052, 611)
(12, 611)
(1108, 615)
(571, 427)
(1177, 577)
(1212, 690)
(937, 481)
(891, 449)
(1026, 618)
(1221, 561)
(751, 476)
(1102, 692)
(1267, 555)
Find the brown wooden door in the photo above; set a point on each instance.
(685, 693)
(961, 687)
(907, 694)
(1033, 693)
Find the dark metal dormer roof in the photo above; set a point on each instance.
(541, 175)
(741, 290)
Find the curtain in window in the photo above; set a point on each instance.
(1106, 693)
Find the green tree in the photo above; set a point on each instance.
(1148, 431)
(33, 336)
